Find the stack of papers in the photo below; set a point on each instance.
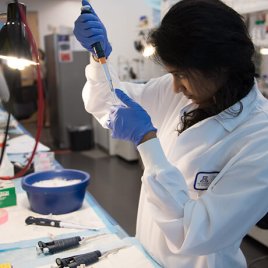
(24, 144)
(15, 229)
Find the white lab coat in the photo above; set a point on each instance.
(181, 226)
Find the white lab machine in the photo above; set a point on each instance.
(103, 138)
(66, 63)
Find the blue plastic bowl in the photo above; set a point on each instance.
(56, 200)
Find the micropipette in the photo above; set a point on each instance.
(55, 223)
(101, 56)
(59, 245)
(86, 258)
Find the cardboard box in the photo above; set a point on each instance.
(7, 194)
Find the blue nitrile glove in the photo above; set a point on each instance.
(130, 122)
(88, 30)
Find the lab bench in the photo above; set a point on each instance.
(19, 241)
(22, 253)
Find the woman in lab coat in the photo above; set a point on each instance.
(201, 131)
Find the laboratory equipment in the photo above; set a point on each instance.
(56, 199)
(15, 47)
(58, 245)
(65, 80)
(56, 223)
(6, 167)
(101, 57)
(86, 258)
(75, 261)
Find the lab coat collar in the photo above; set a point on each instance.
(230, 122)
(188, 107)
(225, 118)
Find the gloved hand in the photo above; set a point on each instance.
(89, 30)
(130, 122)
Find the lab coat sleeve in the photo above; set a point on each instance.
(234, 202)
(96, 94)
(98, 98)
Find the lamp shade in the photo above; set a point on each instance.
(14, 41)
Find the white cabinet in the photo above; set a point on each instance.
(124, 149)
(247, 6)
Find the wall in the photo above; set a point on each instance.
(51, 13)
(119, 16)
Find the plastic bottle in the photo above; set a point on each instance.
(6, 168)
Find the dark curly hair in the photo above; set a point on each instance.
(210, 38)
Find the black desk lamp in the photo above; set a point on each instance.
(15, 47)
